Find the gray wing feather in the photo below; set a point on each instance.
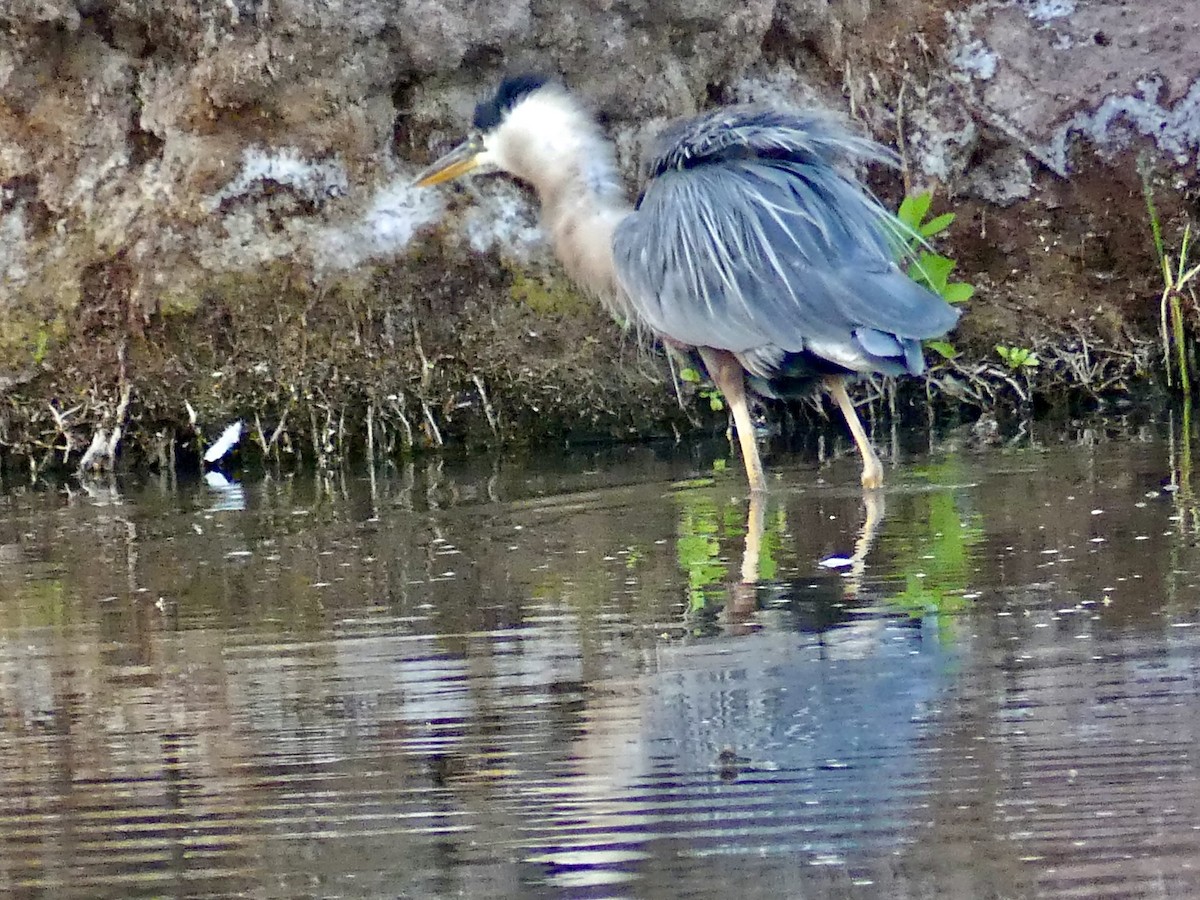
(744, 251)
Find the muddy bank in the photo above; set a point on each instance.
(205, 215)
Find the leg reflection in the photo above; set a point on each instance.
(743, 594)
(876, 507)
(756, 521)
(743, 598)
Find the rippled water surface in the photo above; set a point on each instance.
(607, 674)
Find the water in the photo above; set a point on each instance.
(493, 678)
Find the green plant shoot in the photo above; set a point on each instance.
(716, 401)
(927, 268)
(1018, 358)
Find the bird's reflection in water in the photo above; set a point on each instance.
(822, 594)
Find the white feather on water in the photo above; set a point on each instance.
(836, 562)
(226, 442)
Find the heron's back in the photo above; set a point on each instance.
(748, 237)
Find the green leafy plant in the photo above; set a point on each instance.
(716, 400)
(1179, 280)
(927, 267)
(1018, 358)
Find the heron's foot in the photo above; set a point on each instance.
(872, 476)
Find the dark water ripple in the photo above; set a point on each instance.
(505, 682)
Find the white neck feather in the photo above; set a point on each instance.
(549, 141)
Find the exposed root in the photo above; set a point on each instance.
(371, 436)
(431, 429)
(487, 405)
(64, 431)
(101, 454)
(1081, 366)
(398, 405)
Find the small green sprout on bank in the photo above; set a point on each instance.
(43, 344)
(1018, 358)
(715, 401)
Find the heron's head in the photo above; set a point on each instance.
(527, 127)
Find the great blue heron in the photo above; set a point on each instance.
(749, 244)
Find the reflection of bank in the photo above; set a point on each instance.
(773, 745)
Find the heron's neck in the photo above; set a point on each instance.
(582, 203)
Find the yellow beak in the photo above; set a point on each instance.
(459, 161)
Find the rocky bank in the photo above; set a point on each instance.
(205, 209)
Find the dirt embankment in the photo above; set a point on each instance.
(205, 211)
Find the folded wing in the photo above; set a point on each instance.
(749, 237)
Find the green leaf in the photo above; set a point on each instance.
(932, 269)
(943, 349)
(936, 266)
(689, 375)
(719, 465)
(937, 225)
(715, 401)
(913, 209)
(1018, 357)
(959, 292)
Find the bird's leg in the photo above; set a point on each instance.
(726, 373)
(872, 475)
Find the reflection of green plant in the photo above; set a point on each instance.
(40, 602)
(1018, 358)
(697, 546)
(772, 542)
(702, 526)
(716, 402)
(936, 554)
